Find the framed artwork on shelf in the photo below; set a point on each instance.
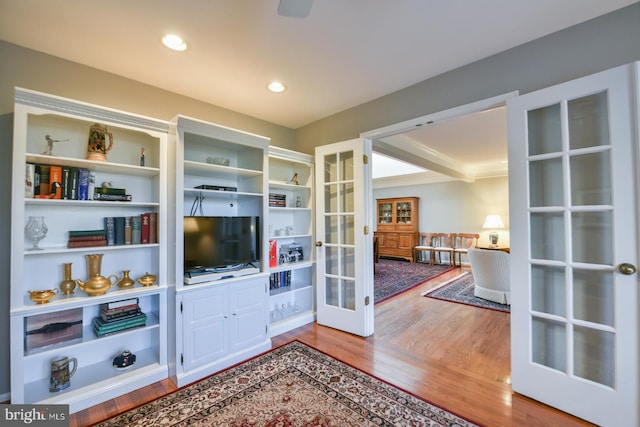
(45, 330)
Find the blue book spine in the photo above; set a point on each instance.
(83, 184)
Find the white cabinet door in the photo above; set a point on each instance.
(205, 326)
(574, 215)
(248, 314)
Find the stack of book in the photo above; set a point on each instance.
(111, 194)
(86, 238)
(277, 200)
(119, 316)
(280, 279)
(58, 182)
(131, 230)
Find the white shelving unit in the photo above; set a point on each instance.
(218, 322)
(292, 290)
(96, 380)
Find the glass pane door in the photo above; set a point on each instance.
(344, 255)
(574, 246)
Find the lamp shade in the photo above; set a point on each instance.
(493, 222)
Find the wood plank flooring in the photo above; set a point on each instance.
(452, 355)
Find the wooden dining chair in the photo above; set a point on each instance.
(425, 244)
(443, 243)
(463, 242)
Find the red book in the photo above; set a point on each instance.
(144, 228)
(273, 253)
(86, 243)
(101, 236)
(55, 179)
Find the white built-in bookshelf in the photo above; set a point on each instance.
(96, 380)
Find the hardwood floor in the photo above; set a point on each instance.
(452, 355)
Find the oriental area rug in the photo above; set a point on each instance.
(460, 290)
(292, 385)
(393, 277)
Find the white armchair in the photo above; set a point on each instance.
(491, 270)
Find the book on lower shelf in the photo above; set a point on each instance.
(103, 328)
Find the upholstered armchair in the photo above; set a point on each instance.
(491, 271)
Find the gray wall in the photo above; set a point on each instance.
(593, 46)
(457, 207)
(584, 49)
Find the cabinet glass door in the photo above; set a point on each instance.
(574, 326)
(403, 213)
(385, 213)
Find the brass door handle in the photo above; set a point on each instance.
(626, 268)
(318, 243)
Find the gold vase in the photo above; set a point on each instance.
(126, 281)
(68, 284)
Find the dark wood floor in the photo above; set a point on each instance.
(452, 355)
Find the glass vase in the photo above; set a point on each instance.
(35, 230)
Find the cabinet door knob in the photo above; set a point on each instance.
(318, 243)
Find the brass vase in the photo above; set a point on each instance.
(68, 284)
(126, 281)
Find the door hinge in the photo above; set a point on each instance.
(366, 230)
(365, 159)
(182, 358)
(366, 300)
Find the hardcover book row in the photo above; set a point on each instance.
(119, 230)
(67, 183)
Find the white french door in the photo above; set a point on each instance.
(574, 244)
(344, 247)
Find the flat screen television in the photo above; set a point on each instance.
(219, 242)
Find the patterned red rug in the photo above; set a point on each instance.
(292, 385)
(393, 277)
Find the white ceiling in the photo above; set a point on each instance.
(346, 52)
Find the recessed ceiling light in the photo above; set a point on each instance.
(276, 87)
(174, 42)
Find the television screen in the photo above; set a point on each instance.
(212, 242)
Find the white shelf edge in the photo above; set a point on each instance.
(61, 302)
(291, 236)
(288, 209)
(94, 203)
(220, 193)
(92, 165)
(194, 168)
(291, 266)
(64, 249)
(281, 185)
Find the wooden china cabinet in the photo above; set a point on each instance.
(397, 226)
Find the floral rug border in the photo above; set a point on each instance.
(362, 397)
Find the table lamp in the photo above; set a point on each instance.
(493, 222)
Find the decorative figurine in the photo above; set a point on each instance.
(124, 360)
(294, 179)
(141, 156)
(50, 142)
